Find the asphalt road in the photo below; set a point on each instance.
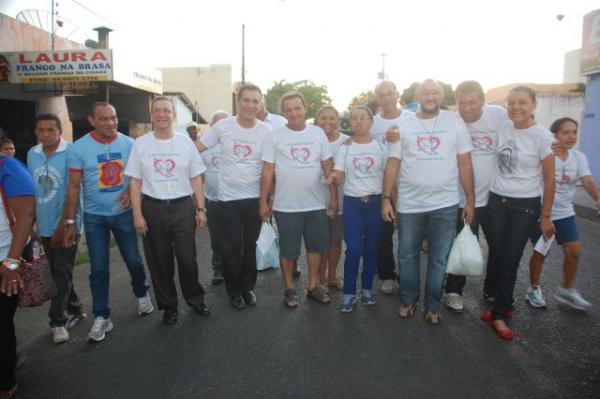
(315, 352)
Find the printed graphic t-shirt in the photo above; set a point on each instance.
(211, 158)
(102, 164)
(381, 125)
(363, 165)
(567, 173)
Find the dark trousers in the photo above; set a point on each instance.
(241, 227)
(65, 301)
(215, 225)
(511, 222)
(172, 232)
(386, 267)
(8, 341)
(456, 283)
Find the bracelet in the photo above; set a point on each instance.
(547, 215)
(200, 210)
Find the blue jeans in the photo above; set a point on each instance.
(440, 225)
(97, 234)
(363, 226)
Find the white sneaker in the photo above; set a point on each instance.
(59, 335)
(571, 297)
(144, 305)
(454, 302)
(535, 297)
(99, 329)
(74, 319)
(388, 287)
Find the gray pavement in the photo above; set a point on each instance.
(270, 351)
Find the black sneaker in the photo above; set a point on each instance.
(170, 316)
(218, 278)
(249, 298)
(237, 302)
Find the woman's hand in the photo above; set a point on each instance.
(10, 282)
(547, 227)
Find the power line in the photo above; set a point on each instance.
(94, 12)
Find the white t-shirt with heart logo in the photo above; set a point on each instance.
(240, 162)
(484, 137)
(363, 165)
(428, 150)
(165, 166)
(298, 172)
(567, 173)
(381, 125)
(211, 158)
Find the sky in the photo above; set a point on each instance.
(339, 43)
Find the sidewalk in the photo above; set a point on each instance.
(584, 205)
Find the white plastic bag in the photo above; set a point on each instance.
(465, 257)
(267, 250)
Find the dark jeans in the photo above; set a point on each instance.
(240, 229)
(65, 301)
(511, 222)
(97, 235)
(386, 267)
(8, 341)
(456, 283)
(172, 234)
(215, 225)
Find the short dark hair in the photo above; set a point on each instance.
(48, 117)
(291, 95)
(469, 86)
(362, 108)
(327, 108)
(557, 124)
(99, 104)
(524, 89)
(248, 87)
(5, 140)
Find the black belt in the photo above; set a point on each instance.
(170, 201)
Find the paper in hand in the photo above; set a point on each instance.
(543, 246)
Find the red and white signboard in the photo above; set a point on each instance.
(56, 67)
(590, 43)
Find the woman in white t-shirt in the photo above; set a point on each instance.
(525, 168)
(328, 119)
(166, 171)
(360, 165)
(571, 166)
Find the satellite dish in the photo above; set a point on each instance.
(62, 27)
(559, 17)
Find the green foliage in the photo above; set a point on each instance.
(363, 98)
(408, 94)
(316, 96)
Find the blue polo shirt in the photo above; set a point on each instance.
(50, 176)
(15, 181)
(102, 164)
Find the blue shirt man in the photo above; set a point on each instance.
(97, 162)
(47, 162)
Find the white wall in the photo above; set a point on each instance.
(572, 67)
(552, 107)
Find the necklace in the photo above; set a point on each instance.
(434, 125)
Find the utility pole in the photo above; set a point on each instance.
(52, 26)
(381, 74)
(243, 54)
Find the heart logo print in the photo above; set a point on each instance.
(300, 154)
(563, 179)
(242, 151)
(364, 165)
(483, 143)
(428, 145)
(164, 166)
(215, 161)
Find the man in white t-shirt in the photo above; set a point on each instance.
(483, 122)
(241, 138)
(211, 158)
(270, 119)
(432, 155)
(391, 114)
(298, 156)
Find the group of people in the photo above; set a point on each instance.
(425, 174)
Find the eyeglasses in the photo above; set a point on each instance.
(429, 93)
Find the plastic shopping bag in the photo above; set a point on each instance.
(267, 250)
(465, 257)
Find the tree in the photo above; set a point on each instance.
(408, 94)
(363, 98)
(316, 96)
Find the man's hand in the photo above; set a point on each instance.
(68, 236)
(547, 227)
(124, 199)
(265, 211)
(10, 282)
(56, 241)
(332, 208)
(392, 135)
(468, 213)
(387, 211)
(558, 147)
(200, 220)
(140, 224)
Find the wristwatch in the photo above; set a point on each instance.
(11, 264)
(69, 222)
